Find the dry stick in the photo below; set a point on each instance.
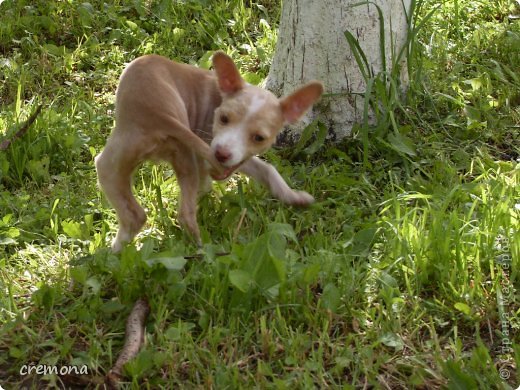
(200, 255)
(5, 144)
(134, 338)
(240, 222)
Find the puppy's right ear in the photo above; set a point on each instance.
(229, 79)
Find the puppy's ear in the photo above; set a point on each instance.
(297, 103)
(229, 79)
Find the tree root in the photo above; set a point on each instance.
(5, 143)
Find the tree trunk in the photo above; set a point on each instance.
(312, 45)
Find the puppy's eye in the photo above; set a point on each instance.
(258, 138)
(224, 119)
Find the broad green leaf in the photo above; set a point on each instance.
(283, 229)
(54, 50)
(321, 135)
(240, 279)
(331, 297)
(281, 269)
(147, 248)
(11, 232)
(110, 307)
(476, 84)
(362, 242)
(205, 60)
(132, 25)
(311, 272)
(7, 241)
(276, 246)
(252, 78)
(140, 364)
(262, 55)
(473, 114)
(79, 274)
(402, 144)
(269, 272)
(94, 284)
(392, 340)
(272, 292)
(84, 17)
(458, 380)
(178, 35)
(462, 307)
(305, 136)
(15, 352)
(172, 263)
(173, 333)
(39, 169)
(388, 280)
(6, 219)
(255, 253)
(45, 296)
(74, 229)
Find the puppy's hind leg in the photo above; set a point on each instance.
(114, 166)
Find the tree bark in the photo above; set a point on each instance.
(312, 45)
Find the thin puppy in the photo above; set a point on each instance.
(206, 124)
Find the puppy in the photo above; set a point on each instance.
(207, 124)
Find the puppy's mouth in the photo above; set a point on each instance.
(228, 171)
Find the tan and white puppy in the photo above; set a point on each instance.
(206, 124)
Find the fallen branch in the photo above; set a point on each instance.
(240, 222)
(134, 338)
(199, 256)
(5, 143)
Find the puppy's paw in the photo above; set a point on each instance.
(298, 198)
(116, 247)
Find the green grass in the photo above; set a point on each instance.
(404, 273)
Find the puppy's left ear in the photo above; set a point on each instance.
(229, 79)
(297, 103)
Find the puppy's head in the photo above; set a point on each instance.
(250, 118)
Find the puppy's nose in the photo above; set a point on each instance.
(222, 155)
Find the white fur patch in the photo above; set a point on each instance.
(257, 102)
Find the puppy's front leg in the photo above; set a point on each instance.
(268, 175)
(185, 164)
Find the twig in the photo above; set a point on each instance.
(134, 338)
(5, 143)
(200, 255)
(240, 222)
